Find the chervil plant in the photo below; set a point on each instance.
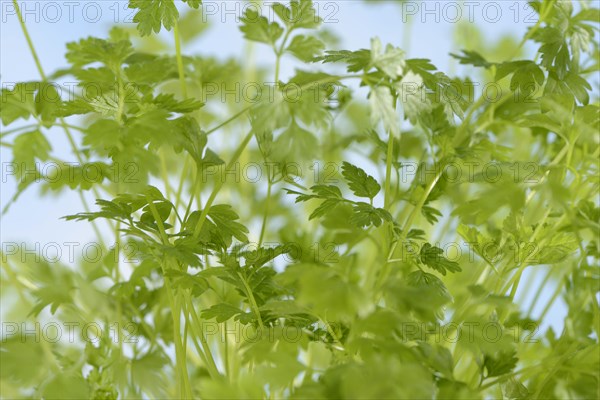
(368, 228)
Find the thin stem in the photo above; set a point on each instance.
(232, 118)
(121, 97)
(29, 42)
(388, 169)
(550, 374)
(219, 184)
(181, 359)
(21, 128)
(509, 375)
(266, 215)
(186, 313)
(181, 183)
(252, 301)
(407, 225)
(197, 329)
(279, 53)
(524, 263)
(533, 30)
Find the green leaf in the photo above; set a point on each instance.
(306, 48)
(325, 207)
(391, 61)
(220, 227)
(147, 373)
(66, 386)
(169, 103)
(152, 15)
(559, 247)
(361, 184)
(421, 279)
(554, 49)
(294, 144)
(47, 104)
(193, 3)
(356, 60)
(148, 69)
(225, 219)
(221, 312)
(17, 102)
(411, 92)
(472, 58)
(91, 50)
(365, 215)
(433, 258)
(30, 146)
(383, 109)
(500, 363)
(299, 14)
(21, 352)
(258, 28)
(527, 75)
(259, 257)
(571, 84)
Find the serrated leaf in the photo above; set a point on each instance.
(391, 61)
(500, 363)
(259, 29)
(383, 109)
(299, 14)
(527, 75)
(91, 50)
(432, 256)
(152, 15)
(472, 58)
(221, 312)
(306, 48)
(361, 184)
(365, 215)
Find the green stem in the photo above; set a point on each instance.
(219, 184)
(233, 118)
(533, 30)
(181, 183)
(405, 228)
(266, 215)
(21, 128)
(29, 42)
(197, 329)
(121, 97)
(181, 359)
(388, 170)
(524, 263)
(277, 66)
(252, 301)
(279, 53)
(507, 376)
(555, 369)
